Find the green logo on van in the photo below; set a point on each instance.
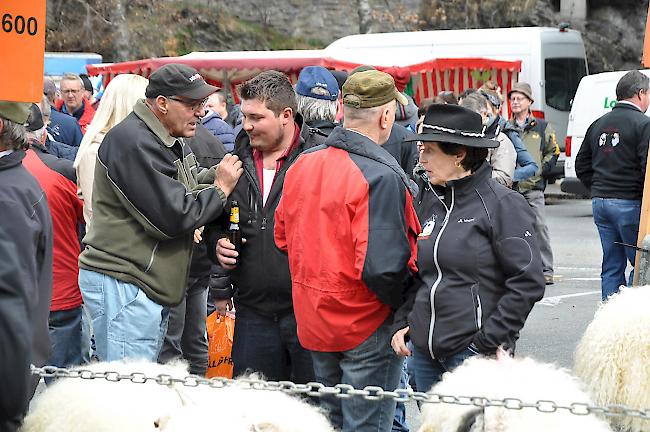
(609, 104)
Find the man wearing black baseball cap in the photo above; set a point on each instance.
(148, 200)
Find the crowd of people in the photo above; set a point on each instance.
(373, 232)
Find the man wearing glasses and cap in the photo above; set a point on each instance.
(149, 197)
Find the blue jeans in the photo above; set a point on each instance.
(65, 338)
(399, 421)
(428, 371)
(372, 363)
(270, 346)
(126, 323)
(617, 221)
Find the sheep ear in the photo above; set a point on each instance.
(470, 419)
(161, 422)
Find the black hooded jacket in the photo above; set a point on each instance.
(25, 285)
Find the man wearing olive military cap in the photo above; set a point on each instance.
(348, 225)
(25, 269)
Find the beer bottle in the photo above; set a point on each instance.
(234, 234)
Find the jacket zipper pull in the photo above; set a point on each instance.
(263, 227)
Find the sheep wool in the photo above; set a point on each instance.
(613, 356)
(524, 379)
(75, 405)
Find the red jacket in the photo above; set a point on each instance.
(86, 116)
(67, 213)
(347, 221)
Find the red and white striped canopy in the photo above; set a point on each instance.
(229, 69)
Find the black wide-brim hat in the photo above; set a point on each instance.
(454, 124)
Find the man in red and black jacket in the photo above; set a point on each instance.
(347, 222)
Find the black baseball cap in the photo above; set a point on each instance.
(178, 80)
(87, 84)
(35, 119)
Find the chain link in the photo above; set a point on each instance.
(343, 391)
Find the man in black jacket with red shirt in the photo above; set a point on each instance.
(273, 137)
(612, 164)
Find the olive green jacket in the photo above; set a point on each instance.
(539, 139)
(148, 197)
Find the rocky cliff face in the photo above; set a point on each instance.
(326, 20)
(613, 31)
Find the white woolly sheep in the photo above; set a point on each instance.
(613, 356)
(523, 379)
(242, 409)
(75, 405)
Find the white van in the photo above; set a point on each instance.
(553, 60)
(595, 97)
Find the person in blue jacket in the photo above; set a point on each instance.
(62, 128)
(215, 123)
(526, 166)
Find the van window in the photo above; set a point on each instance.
(562, 78)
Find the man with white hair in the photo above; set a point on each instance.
(317, 94)
(61, 127)
(74, 103)
(149, 196)
(347, 223)
(36, 134)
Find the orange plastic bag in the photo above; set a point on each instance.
(220, 329)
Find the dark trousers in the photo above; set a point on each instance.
(270, 346)
(186, 336)
(65, 338)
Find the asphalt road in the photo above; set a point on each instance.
(556, 323)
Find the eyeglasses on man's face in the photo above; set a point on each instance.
(193, 104)
(71, 91)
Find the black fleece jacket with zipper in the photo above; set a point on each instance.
(480, 270)
(262, 280)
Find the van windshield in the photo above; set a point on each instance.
(562, 78)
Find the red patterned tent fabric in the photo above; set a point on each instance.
(434, 76)
(427, 79)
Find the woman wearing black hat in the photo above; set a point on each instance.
(480, 271)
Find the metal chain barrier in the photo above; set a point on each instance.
(343, 391)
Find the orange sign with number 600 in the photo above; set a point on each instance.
(22, 38)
